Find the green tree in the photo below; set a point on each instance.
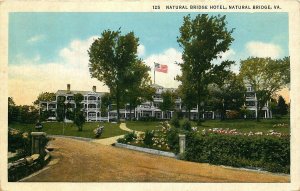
(13, 111)
(282, 107)
(28, 114)
(186, 93)
(137, 86)
(48, 97)
(105, 102)
(79, 118)
(203, 40)
(110, 57)
(168, 103)
(266, 76)
(45, 96)
(228, 94)
(60, 112)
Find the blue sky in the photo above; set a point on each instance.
(156, 31)
(58, 40)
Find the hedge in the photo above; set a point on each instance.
(265, 152)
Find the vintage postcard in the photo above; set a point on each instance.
(150, 95)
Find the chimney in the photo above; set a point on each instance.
(94, 88)
(68, 87)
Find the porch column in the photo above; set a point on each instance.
(266, 114)
(213, 115)
(47, 106)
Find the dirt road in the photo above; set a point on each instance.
(81, 161)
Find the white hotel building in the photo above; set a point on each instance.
(92, 106)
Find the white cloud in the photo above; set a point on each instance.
(141, 50)
(169, 57)
(36, 38)
(262, 49)
(29, 77)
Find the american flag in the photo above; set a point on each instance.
(161, 68)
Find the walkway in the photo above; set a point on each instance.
(111, 140)
(82, 161)
(125, 128)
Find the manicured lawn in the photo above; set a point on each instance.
(248, 125)
(56, 128)
(241, 125)
(142, 125)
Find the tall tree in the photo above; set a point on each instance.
(60, 111)
(111, 56)
(228, 94)
(282, 107)
(266, 76)
(186, 93)
(79, 118)
(45, 96)
(168, 103)
(203, 40)
(137, 86)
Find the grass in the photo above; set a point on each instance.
(241, 125)
(247, 125)
(142, 125)
(69, 129)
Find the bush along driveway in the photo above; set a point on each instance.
(269, 151)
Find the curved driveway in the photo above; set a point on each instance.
(81, 161)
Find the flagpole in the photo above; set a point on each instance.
(154, 72)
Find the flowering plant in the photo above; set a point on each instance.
(235, 132)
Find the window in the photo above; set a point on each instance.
(250, 103)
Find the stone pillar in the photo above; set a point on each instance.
(37, 146)
(181, 143)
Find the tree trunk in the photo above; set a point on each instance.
(118, 104)
(189, 115)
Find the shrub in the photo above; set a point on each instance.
(268, 153)
(186, 125)
(148, 138)
(20, 141)
(127, 138)
(148, 118)
(173, 139)
(175, 121)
